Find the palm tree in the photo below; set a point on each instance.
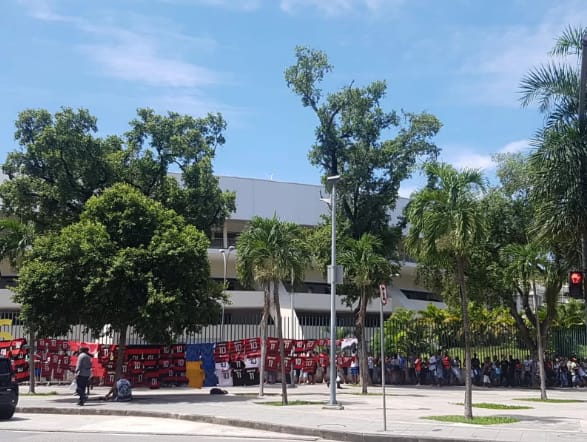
(365, 269)
(16, 239)
(524, 264)
(559, 163)
(270, 251)
(445, 224)
(569, 315)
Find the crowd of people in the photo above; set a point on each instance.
(440, 369)
(506, 371)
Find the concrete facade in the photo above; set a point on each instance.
(301, 204)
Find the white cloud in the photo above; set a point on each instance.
(138, 62)
(234, 5)
(135, 53)
(466, 158)
(337, 7)
(43, 10)
(242, 5)
(406, 190)
(501, 57)
(472, 160)
(188, 102)
(515, 146)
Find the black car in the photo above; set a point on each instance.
(8, 389)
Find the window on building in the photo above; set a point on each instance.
(233, 284)
(232, 238)
(420, 295)
(309, 287)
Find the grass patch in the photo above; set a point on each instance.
(297, 402)
(553, 401)
(49, 393)
(478, 420)
(498, 406)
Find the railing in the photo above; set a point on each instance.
(421, 336)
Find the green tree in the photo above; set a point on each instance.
(523, 265)
(351, 142)
(128, 262)
(351, 125)
(445, 224)
(156, 143)
(569, 315)
(270, 251)
(61, 163)
(16, 239)
(559, 163)
(365, 268)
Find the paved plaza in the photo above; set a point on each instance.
(361, 419)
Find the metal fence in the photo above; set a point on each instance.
(419, 337)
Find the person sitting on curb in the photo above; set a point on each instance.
(121, 391)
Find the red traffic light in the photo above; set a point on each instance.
(576, 284)
(576, 277)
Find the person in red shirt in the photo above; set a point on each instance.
(310, 367)
(418, 369)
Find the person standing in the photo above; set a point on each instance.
(418, 369)
(83, 370)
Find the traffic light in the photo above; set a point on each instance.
(576, 284)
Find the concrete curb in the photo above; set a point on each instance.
(343, 436)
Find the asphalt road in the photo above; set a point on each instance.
(66, 428)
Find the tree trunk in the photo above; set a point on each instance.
(466, 334)
(120, 356)
(281, 346)
(360, 332)
(264, 319)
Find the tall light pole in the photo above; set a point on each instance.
(292, 369)
(334, 277)
(582, 93)
(225, 255)
(539, 345)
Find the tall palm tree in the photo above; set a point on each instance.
(16, 239)
(524, 263)
(365, 268)
(445, 224)
(270, 251)
(559, 164)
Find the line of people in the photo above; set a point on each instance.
(442, 369)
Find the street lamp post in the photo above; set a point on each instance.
(582, 99)
(225, 255)
(539, 344)
(334, 277)
(292, 370)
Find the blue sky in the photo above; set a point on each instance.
(461, 60)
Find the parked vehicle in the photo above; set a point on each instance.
(8, 389)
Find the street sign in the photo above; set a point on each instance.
(383, 293)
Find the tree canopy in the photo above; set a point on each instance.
(128, 261)
(61, 163)
(372, 150)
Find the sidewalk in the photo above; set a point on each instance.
(360, 420)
